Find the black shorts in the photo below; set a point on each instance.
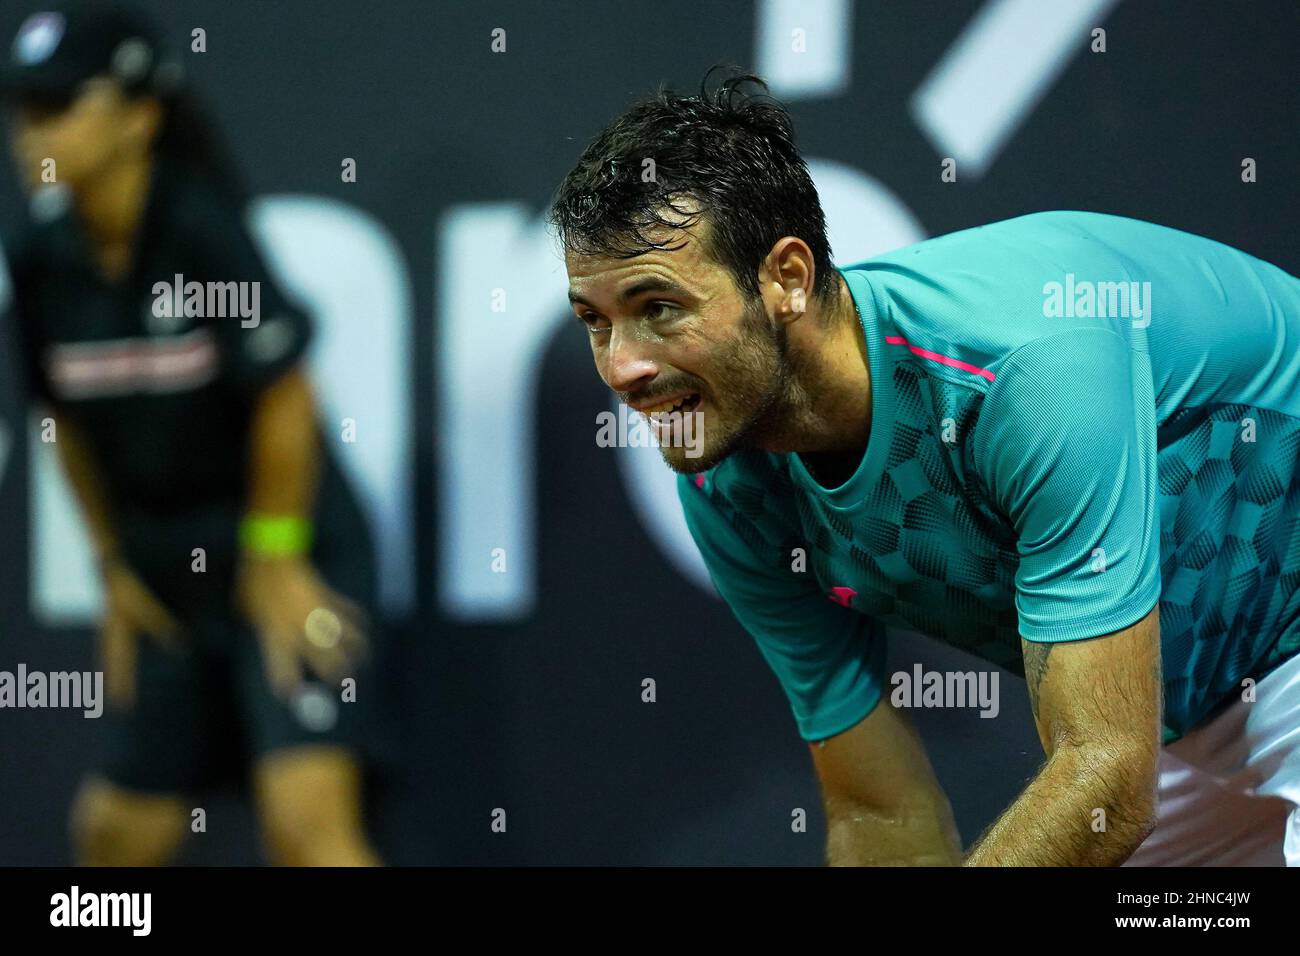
(204, 714)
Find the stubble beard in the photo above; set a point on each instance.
(759, 378)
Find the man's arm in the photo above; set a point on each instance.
(884, 806)
(1097, 704)
(300, 621)
(130, 608)
(83, 475)
(285, 454)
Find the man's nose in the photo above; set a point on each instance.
(629, 365)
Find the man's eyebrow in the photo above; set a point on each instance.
(652, 284)
(649, 284)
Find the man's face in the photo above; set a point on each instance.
(82, 133)
(672, 335)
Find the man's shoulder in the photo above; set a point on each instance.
(1028, 226)
(1031, 243)
(958, 305)
(189, 203)
(194, 205)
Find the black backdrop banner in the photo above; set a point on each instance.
(533, 580)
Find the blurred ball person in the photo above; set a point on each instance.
(225, 535)
(960, 441)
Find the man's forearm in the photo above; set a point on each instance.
(1084, 808)
(922, 834)
(884, 805)
(83, 475)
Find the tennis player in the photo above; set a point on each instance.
(1068, 443)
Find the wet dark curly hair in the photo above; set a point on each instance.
(725, 156)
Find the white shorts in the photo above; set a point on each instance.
(1230, 789)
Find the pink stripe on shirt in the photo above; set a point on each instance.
(935, 356)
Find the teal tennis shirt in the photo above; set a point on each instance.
(1074, 417)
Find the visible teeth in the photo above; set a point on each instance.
(660, 409)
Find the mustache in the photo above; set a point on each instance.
(658, 391)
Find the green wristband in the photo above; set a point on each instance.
(275, 536)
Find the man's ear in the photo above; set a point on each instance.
(786, 277)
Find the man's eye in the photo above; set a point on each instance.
(658, 311)
(594, 323)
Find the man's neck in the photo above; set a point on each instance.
(112, 210)
(826, 416)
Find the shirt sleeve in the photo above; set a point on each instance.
(829, 660)
(1067, 446)
(256, 350)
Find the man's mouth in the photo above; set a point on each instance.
(684, 403)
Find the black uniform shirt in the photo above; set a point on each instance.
(164, 400)
(165, 403)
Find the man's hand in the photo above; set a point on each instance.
(1098, 707)
(300, 622)
(131, 610)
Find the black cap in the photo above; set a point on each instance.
(60, 47)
